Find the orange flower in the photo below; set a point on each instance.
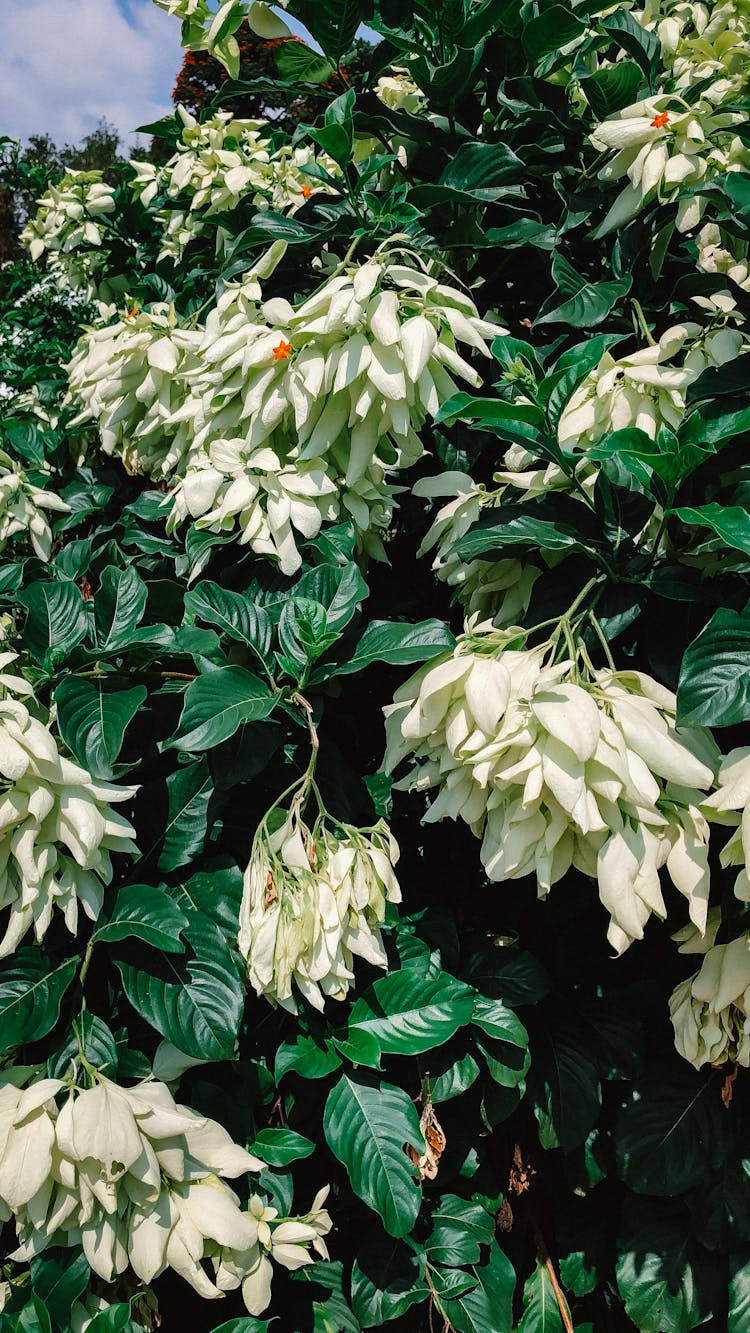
(283, 351)
(660, 120)
(132, 313)
(306, 191)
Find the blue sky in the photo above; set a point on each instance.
(66, 63)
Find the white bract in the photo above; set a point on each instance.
(730, 804)
(497, 590)
(314, 898)
(710, 1011)
(139, 1182)
(701, 41)
(555, 767)
(57, 825)
(24, 508)
(67, 228)
(218, 163)
(646, 388)
(663, 145)
(278, 417)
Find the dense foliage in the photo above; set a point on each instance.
(437, 407)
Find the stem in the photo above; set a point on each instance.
(305, 703)
(642, 322)
(436, 1299)
(544, 1258)
(85, 965)
(603, 641)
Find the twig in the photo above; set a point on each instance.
(544, 1258)
(305, 703)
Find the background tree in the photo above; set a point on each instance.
(263, 95)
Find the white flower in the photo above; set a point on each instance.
(67, 221)
(711, 1010)
(399, 92)
(57, 825)
(314, 898)
(23, 506)
(555, 768)
(645, 388)
(497, 590)
(730, 804)
(663, 145)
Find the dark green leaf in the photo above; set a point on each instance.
(93, 718)
(56, 620)
(31, 991)
(235, 614)
(118, 606)
(367, 1125)
(148, 913)
(714, 688)
(280, 1147)
(674, 1135)
(189, 788)
(406, 1013)
(217, 704)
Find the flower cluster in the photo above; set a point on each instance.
(715, 257)
(730, 804)
(662, 145)
(702, 42)
(314, 897)
(24, 508)
(66, 223)
(497, 590)
(280, 416)
(205, 30)
(58, 826)
(219, 162)
(558, 766)
(140, 1182)
(711, 1010)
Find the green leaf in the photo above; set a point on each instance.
(675, 1135)
(367, 1125)
(338, 588)
(34, 1317)
(299, 64)
(56, 620)
(243, 1324)
(610, 89)
(406, 1013)
(118, 606)
(217, 704)
(587, 303)
(505, 526)
(305, 1057)
(93, 718)
(553, 29)
(215, 893)
(714, 688)
(92, 1036)
(660, 1276)
(478, 169)
(542, 1312)
(451, 1081)
(189, 789)
(739, 1297)
(280, 1147)
(198, 1007)
(730, 522)
(494, 1018)
(59, 1282)
(392, 642)
(113, 1319)
(637, 41)
(31, 992)
(385, 1281)
(459, 1228)
(488, 1305)
(145, 912)
(563, 1086)
(236, 615)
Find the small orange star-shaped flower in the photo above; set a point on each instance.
(306, 191)
(132, 313)
(660, 120)
(283, 351)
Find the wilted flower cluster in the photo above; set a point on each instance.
(279, 417)
(67, 221)
(57, 823)
(219, 162)
(711, 1010)
(140, 1182)
(662, 146)
(314, 898)
(556, 766)
(23, 508)
(497, 590)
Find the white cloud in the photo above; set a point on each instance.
(66, 63)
